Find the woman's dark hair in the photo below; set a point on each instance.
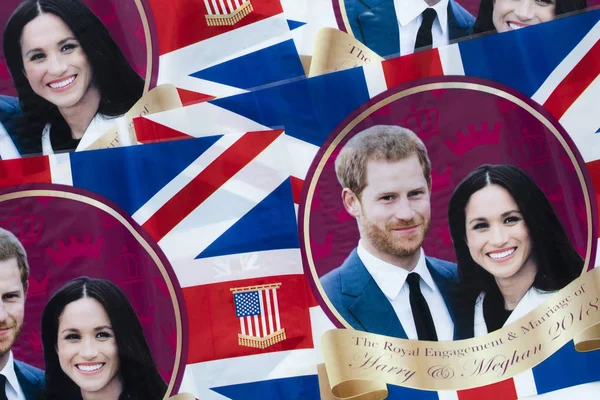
(119, 85)
(484, 22)
(138, 373)
(558, 262)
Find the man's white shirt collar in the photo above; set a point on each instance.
(11, 377)
(391, 278)
(408, 10)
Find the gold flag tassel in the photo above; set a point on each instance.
(230, 19)
(264, 342)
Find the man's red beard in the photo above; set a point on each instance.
(382, 239)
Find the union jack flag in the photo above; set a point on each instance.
(557, 64)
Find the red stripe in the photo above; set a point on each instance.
(296, 188)
(594, 169)
(25, 170)
(504, 390)
(410, 67)
(189, 97)
(148, 131)
(575, 83)
(208, 181)
(182, 23)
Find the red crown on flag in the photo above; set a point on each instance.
(530, 150)
(27, 228)
(128, 268)
(440, 181)
(37, 288)
(227, 14)
(465, 142)
(62, 253)
(423, 122)
(35, 339)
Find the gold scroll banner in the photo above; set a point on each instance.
(182, 396)
(336, 50)
(359, 365)
(161, 98)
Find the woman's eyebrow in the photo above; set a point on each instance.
(65, 40)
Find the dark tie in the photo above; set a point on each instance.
(3, 388)
(424, 37)
(420, 309)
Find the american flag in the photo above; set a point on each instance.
(251, 303)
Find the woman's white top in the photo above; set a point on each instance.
(8, 150)
(530, 301)
(99, 125)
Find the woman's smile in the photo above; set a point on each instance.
(63, 83)
(501, 255)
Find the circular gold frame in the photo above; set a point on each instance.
(153, 255)
(148, 36)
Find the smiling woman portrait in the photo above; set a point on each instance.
(94, 346)
(512, 251)
(507, 15)
(71, 77)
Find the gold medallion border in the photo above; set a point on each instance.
(408, 92)
(149, 44)
(99, 205)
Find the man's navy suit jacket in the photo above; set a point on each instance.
(375, 24)
(31, 380)
(357, 297)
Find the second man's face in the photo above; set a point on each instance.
(395, 211)
(12, 304)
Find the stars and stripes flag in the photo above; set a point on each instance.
(257, 309)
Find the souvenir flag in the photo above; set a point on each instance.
(559, 72)
(222, 210)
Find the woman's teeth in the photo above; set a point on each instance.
(62, 84)
(90, 368)
(514, 26)
(503, 254)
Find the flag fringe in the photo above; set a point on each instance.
(261, 343)
(230, 19)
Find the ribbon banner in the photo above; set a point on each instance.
(359, 364)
